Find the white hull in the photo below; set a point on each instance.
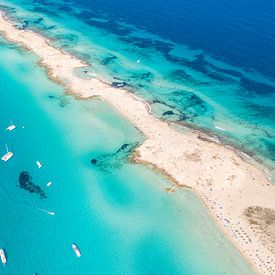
(76, 250)
(38, 163)
(3, 257)
(49, 184)
(7, 156)
(11, 127)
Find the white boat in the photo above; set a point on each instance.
(11, 127)
(8, 155)
(38, 163)
(49, 184)
(3, 256)
(47, 211)
(76, 250)
(51, 213)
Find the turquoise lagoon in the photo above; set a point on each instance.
(118, 213)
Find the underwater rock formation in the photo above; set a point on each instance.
(189, 104)
(108, 162)
(93, 161)
(118, 84)
(25, 182)
(63, 101)
(107, 60)
(168, 113)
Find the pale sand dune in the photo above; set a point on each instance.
(226, 183)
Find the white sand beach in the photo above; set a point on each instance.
(236, 192)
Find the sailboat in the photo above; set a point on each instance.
(8, 155)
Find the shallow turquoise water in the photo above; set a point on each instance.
(118, 213)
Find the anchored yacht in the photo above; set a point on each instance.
(8, 155)
(49, 184)
(76, 250)
(11, 127)
(38, 163)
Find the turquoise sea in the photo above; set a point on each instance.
(118, 213)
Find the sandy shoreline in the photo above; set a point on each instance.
(236, 193)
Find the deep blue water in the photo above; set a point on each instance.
(241, 32)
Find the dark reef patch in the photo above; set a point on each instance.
(180, 76)
(189, 103)
(269, 148)
(67, 38)
(62, 101)
(22, 26)
(109, 162)
(168, 113)
(199, 64)
(142, 77)
(146, 76)
(110, 26)
(107, 60)
(176, 59)
(258, 88)
(143, 43)
(136, 80)
(7, 9)
(225, 71)
(260, 111)
(38, 20)
(181, 116)
(25, 182)
(216, 76)
(50, 27)
(93, 161)
(119, 84)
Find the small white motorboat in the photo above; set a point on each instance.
(11, 127)
(38, 163)
(3, 256)
(49, 184)
(51, 213)
(8, 155)
(76, 250)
